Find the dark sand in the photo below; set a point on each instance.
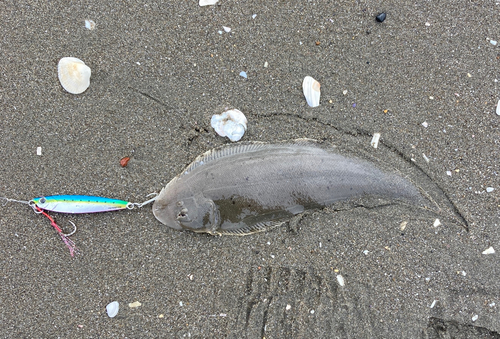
(159, 71)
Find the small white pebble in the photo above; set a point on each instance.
(312, 311)
(288, 307)
(223, 315)
(469, 75)
(498, 108)
(428, 279)
(474, 318)
(191, 277)
(448, 173)
(433, 303)
(462, 273)
(492, 304)
(375, 140)
(134, 304)
(269, 243)
(272, 256)
(425, 124)
(38, 150)
(340, 279)
(320, 244)
(436, 223)
(180, 303)
(425, 158)
(226, 29)
(402, 226)
(254, 16)
(266, 64)
(427, 24)
(431, 97)
(365, 252)
(137, 62)
(489, 189)
(493, 42)
(489, 250)
(344, 92)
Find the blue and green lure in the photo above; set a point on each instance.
(76, 204)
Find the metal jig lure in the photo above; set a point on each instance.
(75, 204)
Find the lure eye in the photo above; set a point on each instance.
(42, 200)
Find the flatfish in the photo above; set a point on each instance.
(247, 188)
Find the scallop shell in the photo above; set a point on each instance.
(231, 124)
(112, 309)
(312, 92)
(74, 75)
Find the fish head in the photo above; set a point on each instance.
(195, 213)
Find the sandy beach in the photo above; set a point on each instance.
(426, 79)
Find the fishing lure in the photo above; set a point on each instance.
(75, 204)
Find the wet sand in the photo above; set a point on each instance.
(159, 72)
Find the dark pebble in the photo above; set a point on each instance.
(380, 17)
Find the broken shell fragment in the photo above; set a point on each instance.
(208, 2)
(112, 309)
(489, 250)
(311, 90)
(134, 304)
(74, 75)
(231, 124)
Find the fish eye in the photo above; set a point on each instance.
(42, 200)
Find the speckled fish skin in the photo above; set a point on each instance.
(248, 188)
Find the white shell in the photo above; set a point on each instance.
(74, 75)
(375, 139)
(134, 304)
(231, 124)
(208, 2)
(112, 309)
(498, 108)
(89, 24)
(311, 90)
(489, 250)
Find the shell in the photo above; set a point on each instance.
(74, 75)
(312, 91)
(208, 2)
(231, 124)
(112, 309)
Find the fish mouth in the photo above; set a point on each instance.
(167, 216)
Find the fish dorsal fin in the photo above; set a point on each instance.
(243, 147)
(258, 227)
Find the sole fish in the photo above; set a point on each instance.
(247, 188)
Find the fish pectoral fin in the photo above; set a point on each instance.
(255, 228)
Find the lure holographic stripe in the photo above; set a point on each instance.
(77, 204)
